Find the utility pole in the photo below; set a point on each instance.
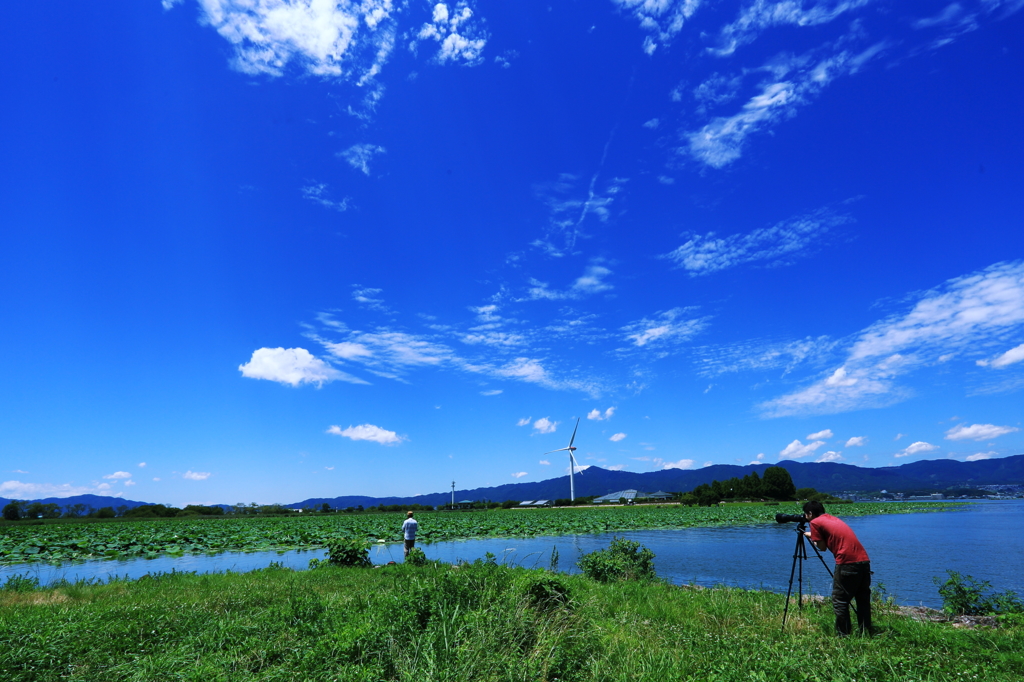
(453, 494)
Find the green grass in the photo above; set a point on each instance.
(58, 543)
(474, 622)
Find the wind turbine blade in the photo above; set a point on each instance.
(558, 450)
(574, 432)
(575, 464)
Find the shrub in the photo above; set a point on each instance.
(623, 560)
(349, 552)
(416, 557)
(963, 595)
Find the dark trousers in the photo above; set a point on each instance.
(409, 544)
(852, 581)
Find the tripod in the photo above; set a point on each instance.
(799, 554)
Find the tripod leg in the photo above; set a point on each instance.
(796, 558)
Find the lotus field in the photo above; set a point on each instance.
(120, 539)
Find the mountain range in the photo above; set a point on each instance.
(832, 477)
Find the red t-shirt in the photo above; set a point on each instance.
(839, 538)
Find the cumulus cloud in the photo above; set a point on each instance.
(196, 475)
(773, 246)
(367, 432)
(856, 441)
(980, 455)
(662, 19)
(681, 464)
(962, 314)
(617, 437)
(616, 467)
(597, 415)
(545, 462)
(797, 450)
(759, 459)
(1010, 357)
(978, 432)
(291, 366)
(916, 449)
(830, 456)
(545, 425)
(118, 474)
(26, 491)
(359, 156)
(525, 421)
(826, 434)
(519, 474)
(129, 483)
(323, 38)
(142, 464)
(460, 38)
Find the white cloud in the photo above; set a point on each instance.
(525, 421)
(519, 474)
(617, 437)
(318, 194)
(494, 391)
(323, 37)
(761, 355)
(663, 19)
(1012, 356)
(25, 491)
(797, 450)
(590, 282)
(980, 455)
(681, 464)
(569, 208)
(978, 432)
(360, 155)
(721, 141)
(826, 434)
(597, 415)
(666, 329)
(545, 425)
(856, 441)
(708, 463)
(759, 459)
(367, 432)
(763, 14)
(196, 475)
(142, 464)
(962, 314)
(545, 462)
(118, 474)
(616, 467)
(830, 456)
(774, 246)
(460, 38)
(916, 448)
(292, 366)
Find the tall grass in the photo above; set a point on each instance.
(473, 622)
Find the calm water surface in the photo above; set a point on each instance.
(907, 551)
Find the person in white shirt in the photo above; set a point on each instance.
(409, 528)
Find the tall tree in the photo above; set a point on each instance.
(778, 484)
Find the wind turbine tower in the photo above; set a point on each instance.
(572, 462)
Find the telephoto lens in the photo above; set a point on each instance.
(789, 518)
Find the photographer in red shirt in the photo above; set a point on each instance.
(852, 577)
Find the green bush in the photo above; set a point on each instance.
(963, 595)
(416, 557)
(623, 560)
(349, 552)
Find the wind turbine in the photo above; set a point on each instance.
(572, 463)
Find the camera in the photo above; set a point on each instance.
(789, 518)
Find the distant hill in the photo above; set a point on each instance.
(94, 501)
(826, 477)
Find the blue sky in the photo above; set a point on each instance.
(267, 250)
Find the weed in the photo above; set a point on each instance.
(623, 560)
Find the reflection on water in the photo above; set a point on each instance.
(907, 552)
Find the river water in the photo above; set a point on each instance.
(907, 552)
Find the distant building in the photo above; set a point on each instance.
(632, 496)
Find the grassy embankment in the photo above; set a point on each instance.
(471, 623)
